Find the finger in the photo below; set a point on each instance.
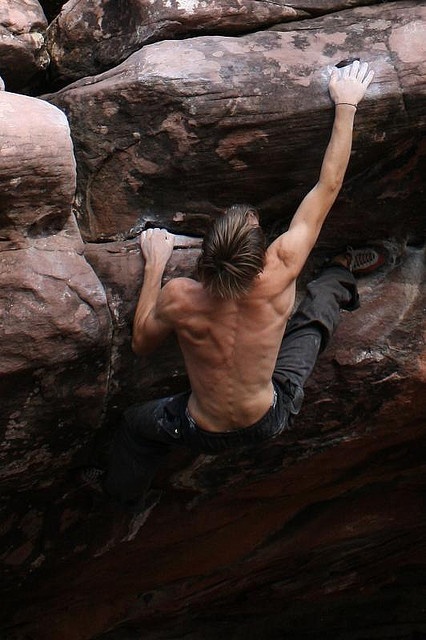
(362, 71)
(368, 79)
(346, 71)
(165, 234)
(354, 69)
(335, 75)
(333, 78)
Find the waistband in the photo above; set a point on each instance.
(193, 423)
(212, 442)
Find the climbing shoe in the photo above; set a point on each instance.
(360, 261)
(92, 477)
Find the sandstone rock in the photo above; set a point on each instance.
(55, 353)
(89, 37)
(37, 169)
(53, 314)
(22, 47)
(162, 130)
(319, 7)
(320, 533)
(339, 499)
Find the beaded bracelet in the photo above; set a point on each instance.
(348, 103)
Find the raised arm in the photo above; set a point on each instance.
(151, 325)
(347, 88)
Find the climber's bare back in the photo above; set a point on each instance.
(230, 347)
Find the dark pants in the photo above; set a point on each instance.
(149, 430)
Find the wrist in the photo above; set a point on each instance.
(153, 270)
(346, 104)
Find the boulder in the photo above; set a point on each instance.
(162, 130)
(23, 53)
(37, 169)
(318, 533)
(329, 517)
(89, 37)
(53, 313)
(55, 353)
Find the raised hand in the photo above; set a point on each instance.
(349, 84)
(157, 246)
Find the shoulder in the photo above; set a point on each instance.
(280, 251)
(179, 287)
(177, 293)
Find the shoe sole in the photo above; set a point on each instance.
(366, 270)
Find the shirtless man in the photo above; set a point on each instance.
(246, 378)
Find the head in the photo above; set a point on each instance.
(233, 253)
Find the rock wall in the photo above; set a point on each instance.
(129, 115)
(23, 52)
(178, 118)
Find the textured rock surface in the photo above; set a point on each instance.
(161, 131)
(23, 52)
(55, 348)
(54, 337)
(317, 534)
(36, 161)
(328, 517)
(89, 37)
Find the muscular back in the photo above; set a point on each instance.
(230, 346)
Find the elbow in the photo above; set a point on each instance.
(334, 185)
(330, 188)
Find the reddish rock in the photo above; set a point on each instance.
(319, 7)
(23, 53)
(89, 37)
(37, 169)
(328, 517)
(54, 365)
(161, 131)
(55, 323)
(318, 533)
